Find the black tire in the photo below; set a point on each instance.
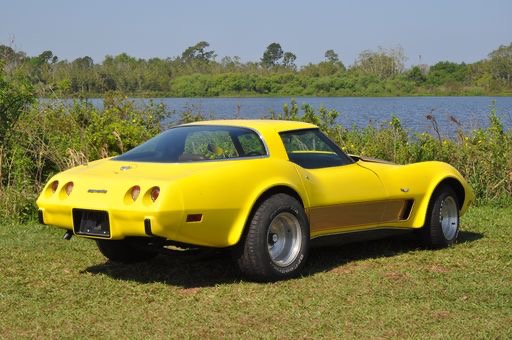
(442, 223)
(127, 250)
(276, 243)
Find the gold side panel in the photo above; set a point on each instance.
(356, 214)
(394, 211)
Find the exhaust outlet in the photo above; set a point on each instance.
(68, 235)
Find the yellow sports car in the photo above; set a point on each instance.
(266, 189)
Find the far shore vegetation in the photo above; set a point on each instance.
(199, 72)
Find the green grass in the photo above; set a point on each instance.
(50, 288)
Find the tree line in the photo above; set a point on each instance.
(198, 72)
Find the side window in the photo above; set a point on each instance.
(210, 145)
(311, 149)
(251, 144)
(306, 142)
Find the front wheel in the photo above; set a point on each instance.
(442, 224)
(276, 244)
(127, 250)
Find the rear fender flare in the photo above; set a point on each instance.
(255, 200)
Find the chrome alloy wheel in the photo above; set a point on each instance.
(284, 239)
(449, 217)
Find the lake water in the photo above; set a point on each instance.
(471, 112)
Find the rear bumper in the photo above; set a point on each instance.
(123, 223)
(215, 228)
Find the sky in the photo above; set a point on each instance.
(429, 31)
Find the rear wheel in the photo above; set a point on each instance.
(127, 250)
(442, 225)
(276, 244)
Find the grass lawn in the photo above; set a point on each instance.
(51, 288)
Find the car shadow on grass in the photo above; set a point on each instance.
(332, 257)
(216, 267)
(204, 269)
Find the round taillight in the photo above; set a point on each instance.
(135, 192)
(54, 186)
(69, 188)
(155, 192)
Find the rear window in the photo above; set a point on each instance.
(198, 143)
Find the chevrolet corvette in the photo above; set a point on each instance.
(267, 190)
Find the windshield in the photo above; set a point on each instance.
(197, 143)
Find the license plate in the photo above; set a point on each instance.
(91, 223)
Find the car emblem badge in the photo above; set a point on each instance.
(124, 168)
(404, 189)
(97, 191)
